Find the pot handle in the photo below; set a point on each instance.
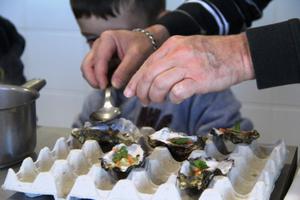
(35, 84)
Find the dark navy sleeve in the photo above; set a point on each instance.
(275, 52)
(216, 110)
(213, 17)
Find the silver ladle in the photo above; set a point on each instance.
(108, 112)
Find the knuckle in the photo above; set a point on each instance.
(158, 85)
(178, 93)
(180, 51)
(146, 77)
(175, 38)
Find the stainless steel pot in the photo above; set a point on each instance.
(18, 121)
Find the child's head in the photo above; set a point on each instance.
(97, 16)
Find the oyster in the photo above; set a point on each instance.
(196, 174)
(180, 145)
(235, 136)
(108, 134)
(226, 138)
(122, 159)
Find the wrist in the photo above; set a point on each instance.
(248, 69)
(149, 36)
(160, 33)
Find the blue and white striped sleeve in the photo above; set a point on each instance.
(213, 17)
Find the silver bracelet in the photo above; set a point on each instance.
(149, 35)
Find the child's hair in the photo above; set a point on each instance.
(111, 8)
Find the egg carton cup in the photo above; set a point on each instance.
(68, 173)
(253, 175)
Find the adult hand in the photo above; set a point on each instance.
(184, 66)
(132, 48)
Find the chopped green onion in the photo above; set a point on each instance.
(200, 164)
(237, 126)
(121, 153)
(180, 141)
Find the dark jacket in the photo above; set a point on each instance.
(275, 52)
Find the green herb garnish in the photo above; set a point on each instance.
(121, 153)
(180, 141)
(237, 126)
(200, 164)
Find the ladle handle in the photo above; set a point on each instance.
(107, 96)
(112, 66)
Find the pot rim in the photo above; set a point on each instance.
(33, 95)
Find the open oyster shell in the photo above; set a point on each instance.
(225, 138)
(235, 136)
(180, 145)
(108, 134)
(196, 174)
(122, 159)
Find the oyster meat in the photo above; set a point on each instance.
(122, 159)
(196, 174)
(108, 134)
(179, 144)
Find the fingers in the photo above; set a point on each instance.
(130, 89)
(172, 82)
(129, 65)
(147, 69)
(182, 90)
(151, 72)
(163, 73)
(103, 50)
(163, 83)
(87, 70)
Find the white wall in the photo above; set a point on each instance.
(55, 50)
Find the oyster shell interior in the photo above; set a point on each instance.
(122, 159)
(179, 144)
(167, 136)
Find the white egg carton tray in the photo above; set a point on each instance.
(67, 173)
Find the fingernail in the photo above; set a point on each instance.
(113, 83)
(116, 83)
(128, 93)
